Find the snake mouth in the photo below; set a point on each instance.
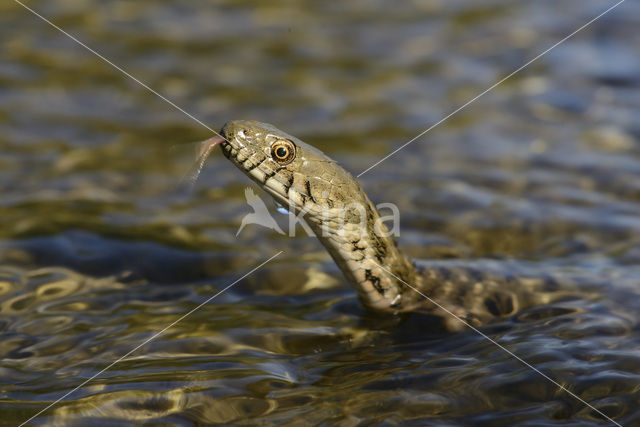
(226, 138)
(229, 143)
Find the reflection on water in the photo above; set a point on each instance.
(101, 247)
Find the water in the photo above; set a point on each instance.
(101, 247)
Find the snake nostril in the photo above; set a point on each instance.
(228, 129)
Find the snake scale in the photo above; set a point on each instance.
(302, 178)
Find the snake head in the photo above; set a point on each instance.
(297, 175)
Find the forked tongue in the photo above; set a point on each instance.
(203, 151)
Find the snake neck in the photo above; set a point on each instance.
(362, 247)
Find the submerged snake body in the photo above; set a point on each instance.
(343, 218)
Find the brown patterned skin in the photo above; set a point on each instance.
(341, 215)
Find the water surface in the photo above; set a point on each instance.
(100, 247)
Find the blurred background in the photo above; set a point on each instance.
(100, 245)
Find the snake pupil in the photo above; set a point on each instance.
(282, 152)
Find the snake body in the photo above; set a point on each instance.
(302, 178)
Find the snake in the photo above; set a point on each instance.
(308, 183)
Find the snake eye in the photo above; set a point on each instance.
(283, 151)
